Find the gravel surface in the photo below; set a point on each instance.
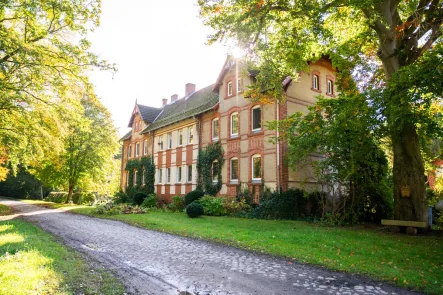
(150, 262)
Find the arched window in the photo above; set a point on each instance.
(256, 168)
(229, 88)
(215, 171)
(315, 84)
(330, 89)
(234, 124)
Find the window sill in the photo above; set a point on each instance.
(256, 181)
(256, 133)
(215, 139)
(316, 90)
(233, 182)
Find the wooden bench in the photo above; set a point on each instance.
(411, 226)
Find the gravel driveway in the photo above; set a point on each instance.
(151, 262)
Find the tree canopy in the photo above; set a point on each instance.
(379, 47)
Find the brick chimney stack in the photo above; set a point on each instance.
(164, 101)
(174, 98)
(189, 89)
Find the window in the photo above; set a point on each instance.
(234, 125)
(127, 179)
(330, 89)
(215, 171)
(190, 135)
(180, 137)
(256, 167)
(229, 88)
(160, 143)
(135, 177)
(137, 149)
(168, 175)
(129, 151)
(239, 85)
(160, 176)
(143, 177)
(256, 118)
(169, 140)
(215, 130)
(179, 174)
(234, 170)
(189, 173)
(315, 80)
(145, 147)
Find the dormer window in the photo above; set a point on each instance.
(229, 88)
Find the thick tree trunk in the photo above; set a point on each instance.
(70, 192)
(409, 175)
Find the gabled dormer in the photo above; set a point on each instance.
(142, 116)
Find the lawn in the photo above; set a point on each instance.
(5, 210)
(32, 262)
(414, 262)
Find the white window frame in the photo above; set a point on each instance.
(231, 121)
(168, 175)
(169, 140)
(229, 88)
(137, 149)
(215, 137)
(239, 89)
(232, 180)
(135, 178)
(187, 174)
(215, 177)
(180, 137)
(179, 174)
(145, 147)
(160, 175)
(330, 87)
(160, 143)
(252, 119)
(252, 167)
(130, 151)
(190, 135)
(315, 81)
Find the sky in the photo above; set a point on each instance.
(158, 47)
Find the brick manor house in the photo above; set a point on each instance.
(173, 134)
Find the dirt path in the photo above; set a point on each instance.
(151, 262)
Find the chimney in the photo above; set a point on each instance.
(189, 89)
(164, 101)
(174, 97)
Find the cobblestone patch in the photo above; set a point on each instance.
(151, 262)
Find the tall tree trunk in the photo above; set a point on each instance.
(409, 173)
(70, 191)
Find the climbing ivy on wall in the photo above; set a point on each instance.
(206, 157)
(144, 165)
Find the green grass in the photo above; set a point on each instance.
(32, 262)
(414, 262)
(5, 210)
(52, 205)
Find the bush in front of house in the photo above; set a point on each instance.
(194, 210)
(212, 206)
(57, 197)
(121, 197)
(177, 204)
(83, 198)
(193, 196)
(139, 198)
(290, 204)
(150, 201)
(235, 206)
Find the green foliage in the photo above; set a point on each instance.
(213, 206)
(234, 206)
(83, 198)
(150, 201)
(57, 197)
(143, 165)
(194, 210)
(22, 185)
(290, 204)
(112, 209)
(193, 196)
(139, 198)
(121, 197)
(177, 204)
(207, 157)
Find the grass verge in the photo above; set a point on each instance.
(32, 262)
(5, 210)
(414, 262)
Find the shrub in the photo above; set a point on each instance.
(290, 204)
(121, 197)
(128, 209)
(57, 197)
(177, 204)
(150, 201)
(107, 208)
(212, 206)
(193, 196)
(234, 206)
(194, 210)
(83, 198)
(139, 198)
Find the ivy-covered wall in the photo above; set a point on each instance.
(207, 156)
(146, 166)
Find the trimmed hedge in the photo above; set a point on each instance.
(193, 196)
(194, 210)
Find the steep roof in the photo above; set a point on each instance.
(126, 136)
(198, 102)
(147, 113)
